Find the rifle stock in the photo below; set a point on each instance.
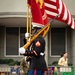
(35, 36)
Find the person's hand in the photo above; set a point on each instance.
(21, 50)
(65, 65)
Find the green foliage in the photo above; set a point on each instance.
(17, 62)
(49, 64)
(10, 62)
(5, 61)
(55, 63)
(1, 61)
(69, 64)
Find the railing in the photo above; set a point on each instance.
(56, 70)
(5, 70)
(52, 70)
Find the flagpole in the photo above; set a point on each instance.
(27, 21)
(27, 18)
(30, 25)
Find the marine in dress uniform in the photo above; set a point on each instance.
(36, 56)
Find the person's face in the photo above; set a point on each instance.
(15, 66)
(65, 55)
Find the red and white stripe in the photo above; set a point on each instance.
(57, 7)
(51, 9)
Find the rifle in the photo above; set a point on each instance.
(44, 30)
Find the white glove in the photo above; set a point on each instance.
(27, 35)
(21, 50)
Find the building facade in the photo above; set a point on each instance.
(60, 37)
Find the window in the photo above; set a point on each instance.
(22, 36)
(14, 40)
(58, 44)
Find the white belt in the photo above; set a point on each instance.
(42, 54)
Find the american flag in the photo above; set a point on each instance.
(58, 8)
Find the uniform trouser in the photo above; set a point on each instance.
(36, 72)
